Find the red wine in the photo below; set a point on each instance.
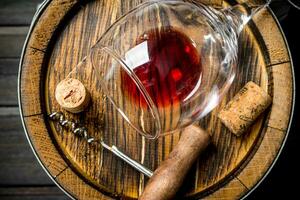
(168, 65)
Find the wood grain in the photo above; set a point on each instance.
(29, 193)
(31, 74)
(91, 171)
(49, 156)
(12, 40)
(280, 112)
(77, 187)
(18, 12)
(274, 43)
(11, 43)
(232, 190)
(9, 66)
(8, 90)
(21, 176)
(256, 169)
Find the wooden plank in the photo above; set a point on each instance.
(11, 41)
(267, 151)
(8, 90)
(17, 12)
(272, 37)
(30, 104)
(278, 182)
(9, 66)
(43, 145)
(226, 192)
(51, 18)
(29, 193)
(282, 92)
(78, 188)
(18, 165)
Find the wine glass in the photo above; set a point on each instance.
(168, 63)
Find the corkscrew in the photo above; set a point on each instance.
(82, 132)
(71, 126)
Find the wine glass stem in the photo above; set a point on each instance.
(241, 14)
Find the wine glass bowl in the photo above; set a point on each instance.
(166, 64)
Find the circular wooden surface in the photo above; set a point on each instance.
(230, 168)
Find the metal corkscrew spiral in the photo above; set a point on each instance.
(72, 126)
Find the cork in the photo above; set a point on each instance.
(71, 95)
(240, 113)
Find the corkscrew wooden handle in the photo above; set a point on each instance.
(169, 176)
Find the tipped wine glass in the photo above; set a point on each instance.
(168, 63)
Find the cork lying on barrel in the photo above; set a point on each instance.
(240, 113)
(71, 95)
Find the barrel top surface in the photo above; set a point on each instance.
(61, 36)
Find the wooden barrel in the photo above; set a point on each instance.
(61, 35)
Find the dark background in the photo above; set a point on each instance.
(21, 177)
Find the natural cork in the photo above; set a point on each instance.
(239, 114)
(169, 176)
(71, 95)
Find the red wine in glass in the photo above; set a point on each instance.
(168, 65)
